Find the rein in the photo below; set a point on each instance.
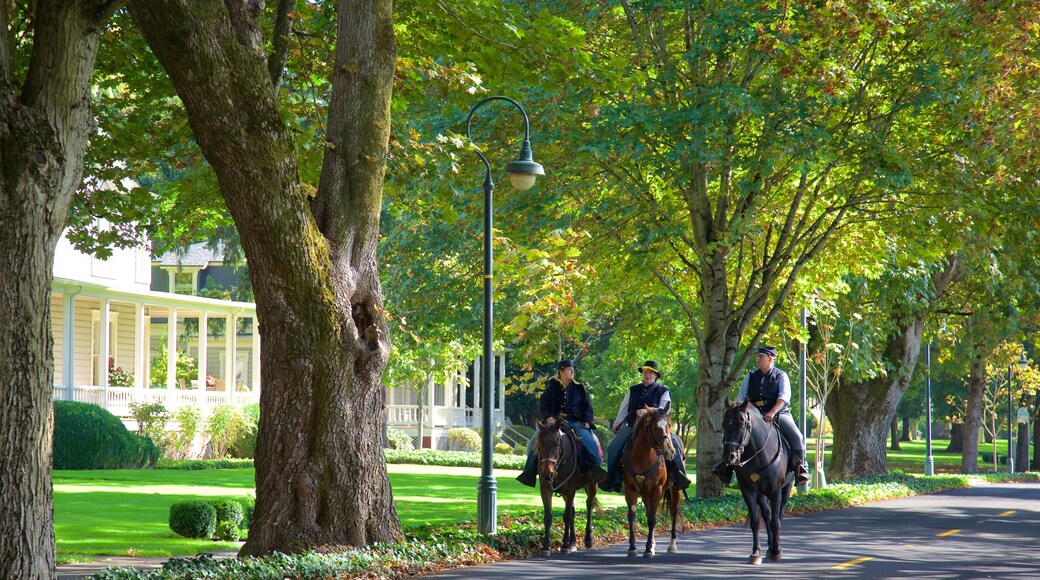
(747, 438)
(656, 445)
(566, 460)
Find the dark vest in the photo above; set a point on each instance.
(640, 395)
(764, 388)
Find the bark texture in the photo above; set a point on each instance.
(45, 124)
(974, 403)
(861, 413)
(320, 474)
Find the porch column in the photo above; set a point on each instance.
(203, 345)
(68, 360)
(171, 349)
(103, 351)
(477, 386)
(140, 347)
(229, 356)
(255, 386)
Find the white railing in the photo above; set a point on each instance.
(408, 416)
(117, 399)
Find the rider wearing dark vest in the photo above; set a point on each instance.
(648, 393)
(766, 388)
(563, 396)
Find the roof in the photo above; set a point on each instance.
(197, 254)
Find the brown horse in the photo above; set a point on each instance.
(559, 472)
(646, 475)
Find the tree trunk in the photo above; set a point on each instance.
(957, 439)
(320, 473)
(907, 433)
(44, 131)
(974, 403)
(1022, 449)
(894, 433)
(860, 412)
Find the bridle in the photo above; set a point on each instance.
(658, 445)
(561, 459)
(746, 437)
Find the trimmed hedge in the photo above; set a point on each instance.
(89, 437)
(193, 518)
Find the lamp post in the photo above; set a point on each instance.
(929, 461)
(522, 174)
(1023, 362)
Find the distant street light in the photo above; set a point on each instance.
(929, 461)
(1023, 362)
(522, 174)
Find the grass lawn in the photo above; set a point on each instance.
(126, 512)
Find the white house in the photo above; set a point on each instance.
(122, 310)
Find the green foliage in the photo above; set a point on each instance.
(452, 458)
(245, 445)
(228, 532)
(117, 377)
(186, 369)
(503, 448)
(229, 511)
(200, 464)
(463, 439)
(89, 437)
(178, 443)
(151, 420)
(193, 518)
(399, 440)
(248, 505)
(225, 425)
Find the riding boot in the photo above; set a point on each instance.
(680, 479)
(724, 472)
(529, 475)
(801, 468)
(611, 481)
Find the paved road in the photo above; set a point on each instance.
(991, 531)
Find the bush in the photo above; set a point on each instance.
(463, 439)
(178, 443)
(397, 439)
(520, 449)
(247, 503)
(503, 448)
(228, 511)
(244, 447)
(224, 427)
(228, 532)
(89, 437)
(193, 518)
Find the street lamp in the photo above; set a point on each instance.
(1023, 362)
(929, 461)
(522, 174)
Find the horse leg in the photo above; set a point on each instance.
(590, 504)
(673, 508)
(631, 528)
(751, 499)
(651, 522)
(568, 525)
(776, 505)
(547, 518)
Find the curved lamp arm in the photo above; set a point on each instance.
(523, 171)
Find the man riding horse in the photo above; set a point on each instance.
(563, 396)
(769, 389)
(648, 393)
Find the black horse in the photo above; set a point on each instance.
(756, 451)
(559, 472)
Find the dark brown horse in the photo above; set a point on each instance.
(755, 450)
(559, 472)
(646, 475)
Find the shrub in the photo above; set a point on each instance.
(223, 427)
(89, 437)
(248, 503)
(520, 449)
(228, 532)
(503, 448)
(117, 377)
(193, 518)
(463, 439)
(186, 369)
(517, 434)
(228, 511)
(245, 445)
(178, 443)
(397, 439)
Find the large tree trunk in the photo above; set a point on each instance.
(860, 412)
(973, 404)
(44, 132)
(956, 438)
(894, 433)
(320, 474)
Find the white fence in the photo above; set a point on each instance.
(117, 399)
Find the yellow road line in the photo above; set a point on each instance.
(852, 563)
(1005, 514)
(949, 533)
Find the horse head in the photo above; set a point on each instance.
(736, 431)
(548, 444)
(657, 429)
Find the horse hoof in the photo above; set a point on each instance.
(566, 550)
(631, 552)
(671, 548)
(545, 553)
(648, 554)
(775, 557)
(755, 560)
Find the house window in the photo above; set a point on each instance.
(183, 283)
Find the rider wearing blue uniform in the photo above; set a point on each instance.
(563, 396)
(769, 389)
(650, 393)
